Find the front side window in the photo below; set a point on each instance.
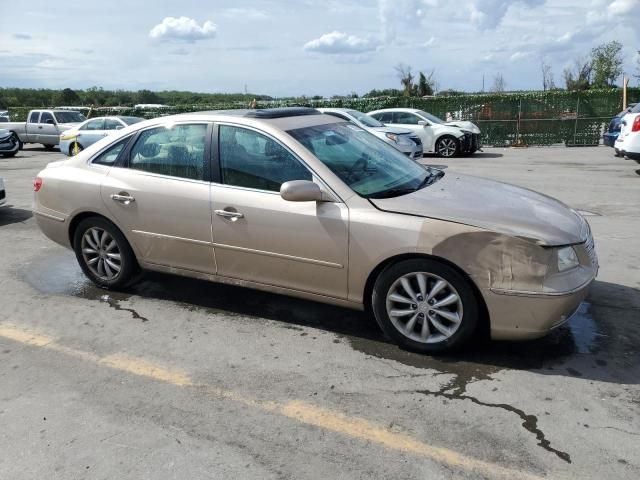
(33, 118)
(177, 151)
(369, 166)
(97, 124)
(46, 117)
(110, 155)
(112, 124)
(252, 160)
(405, 118)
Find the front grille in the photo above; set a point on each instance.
(417, 140)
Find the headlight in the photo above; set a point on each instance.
(567, 259)
(392, 136)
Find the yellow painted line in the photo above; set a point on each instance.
(296, 409)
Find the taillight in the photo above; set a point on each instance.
(636, 124)
(37, 184)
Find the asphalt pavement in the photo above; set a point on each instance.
(177, 378)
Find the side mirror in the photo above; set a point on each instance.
(301, 191)
(49, 121)
(423, 123)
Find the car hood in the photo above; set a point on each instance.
(68, 126)
(395, 130)
(494, 206)
(464, 125)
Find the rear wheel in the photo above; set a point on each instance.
(447, 147)
(103, 253)
(75, 149)
(425, 306)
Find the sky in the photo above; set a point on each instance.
(303, 47)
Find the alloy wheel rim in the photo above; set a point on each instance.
(424, 307)
(447, 147)
(101, 253)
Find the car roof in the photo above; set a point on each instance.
(396, 109)
(335, 109)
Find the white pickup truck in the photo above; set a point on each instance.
(44, 126)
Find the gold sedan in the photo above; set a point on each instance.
(304, 204)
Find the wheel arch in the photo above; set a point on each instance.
(484, 325)
(79, 217)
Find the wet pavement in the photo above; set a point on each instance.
(564, 406)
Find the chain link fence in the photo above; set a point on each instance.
(525, 118)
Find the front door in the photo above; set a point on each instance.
(410, 121)
(91, 132)
(260, 237)
(47, 130)
(159, 194)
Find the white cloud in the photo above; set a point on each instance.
(519, 56)
(245, 14)
(488, 14)
(183, 29)
(400, 15)
(341, 43)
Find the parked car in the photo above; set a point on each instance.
(44, 126)
(404, 140)
(628, 142)
(76, 139)
(300, 203)
(613, 130)
(439, 137)
(3, 193)
(9, 144)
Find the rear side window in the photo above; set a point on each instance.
(177, 151)
(97, 124)
(33, 118)
(110, 155)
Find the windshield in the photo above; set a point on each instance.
(371, 167)
(365, 119)
(69, 117)
(131, 120)
(431, 118)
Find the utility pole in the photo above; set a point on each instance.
(482, 83)
(625, 84)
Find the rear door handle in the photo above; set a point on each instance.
(123, 198)
(233, 216)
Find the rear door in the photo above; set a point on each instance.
(33, 126)
(91, 132)
(160, 196)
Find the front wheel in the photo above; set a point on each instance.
(75, 149)
(425, 306)
(104, 253)
(447, 147)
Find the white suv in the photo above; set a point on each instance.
(439, 137)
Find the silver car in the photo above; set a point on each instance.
(75, 140)
(401, 138)
(303, 204)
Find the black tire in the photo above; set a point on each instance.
(470, 308)
(128, 263)
(71, 149)
(9, 155)
(48, 147)
(447, 147)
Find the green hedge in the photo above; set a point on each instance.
(530, 118)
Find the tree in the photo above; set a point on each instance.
(498, 83)
(68, 97)
(547, 76)
(406, 78)
(606, 62)
(147, 96)
(426, 84)
(578, 78)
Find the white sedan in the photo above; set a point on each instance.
(446, 139)
(628, 142)
(75, 140)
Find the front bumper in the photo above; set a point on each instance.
(609, 138)
(470, 143)
(9, 145)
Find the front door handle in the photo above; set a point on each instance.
(123, 197)
(233, 216)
